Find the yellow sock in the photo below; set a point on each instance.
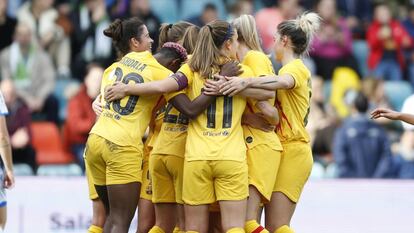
(284, 229)
(177, 230)
(235, 230)
(156, 229)
(95, 229)
(252, 226)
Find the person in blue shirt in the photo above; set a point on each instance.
(361, 147)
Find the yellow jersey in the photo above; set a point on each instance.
(173, 133)
(124, 121)
(216, 134)
(293, 104)
(261, 65)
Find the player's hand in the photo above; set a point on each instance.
(257, 121)
(212, 87)
(386, 113)
(233, 86)
(115, 92)
(8, 179)
(231, 68)
(97, 106)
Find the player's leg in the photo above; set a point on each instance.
(263, 163)
(124, 177)
(146, 215)
(231, 188)
(198, 193)
(146, 209)
(98, 216)
(98, 208)
(295, 168)
(123, 202)
(164, 173)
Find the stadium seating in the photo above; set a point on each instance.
(397, 92)
(166, 10)
(318, 171)
(22, 170)
(60, 170)
(64, 89)
(360, 50)
(47, 142)
(190, 8)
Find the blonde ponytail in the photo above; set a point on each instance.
(247, 32)
(207, 56)
(309, 23)
(300, 31)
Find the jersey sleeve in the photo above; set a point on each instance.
(161, 73)
(3, 108)
(294, 71)
(259, 63)
(186, 73)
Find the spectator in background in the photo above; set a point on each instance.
(322, 123)
(7, 26)
(41, 17)
(18, 125)
(358, 14)
(241, 7)
(386, 38)
(80, 116)
(142, 10)
(32, 72)
(208, 14)
(268, 18)
(361, 146)
(374, 90)
(332, 45)
(89, 44)
(409, 26)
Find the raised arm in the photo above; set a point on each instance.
(393, 115)
(212, 87)
(234, 85)
(118, 90)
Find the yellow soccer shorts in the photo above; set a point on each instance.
(111, 164)
(217, 180)
(91, 187)
(263, 163)
(167, 178)
(294, 170)
(146, 187)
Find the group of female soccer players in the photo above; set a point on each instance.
(226, 135)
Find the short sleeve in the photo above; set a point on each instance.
(188, 73)
(186, 70)
(408, 107)
(294, 71)
(162, 73)
(3, 107)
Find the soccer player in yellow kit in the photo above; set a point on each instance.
(263, 148)
(114, 148)
(293, 85)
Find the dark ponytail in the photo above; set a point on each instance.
(121, 31)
